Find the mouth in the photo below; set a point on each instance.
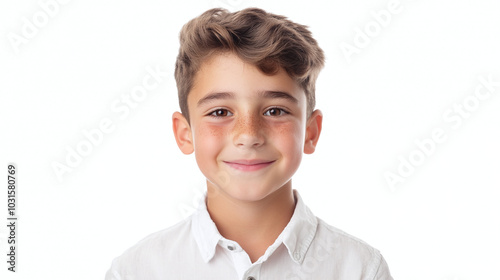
(249, 165)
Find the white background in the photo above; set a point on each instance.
(441, 223)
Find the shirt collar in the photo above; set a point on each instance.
(300, 231)
(297, 235)
(205, 231)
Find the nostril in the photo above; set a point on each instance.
(249, 138)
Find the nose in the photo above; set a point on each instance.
(248, 132)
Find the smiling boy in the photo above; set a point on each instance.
(246, 91)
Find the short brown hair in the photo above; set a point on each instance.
(265, 40)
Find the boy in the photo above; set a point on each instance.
(246, 92)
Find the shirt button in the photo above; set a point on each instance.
(296, 256)
(250, 278)
(230, 248)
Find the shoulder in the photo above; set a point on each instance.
(334, 236)
(163, 238)
(152, 251)
(348, 252)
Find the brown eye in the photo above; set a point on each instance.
(221, 113)
(275, 112)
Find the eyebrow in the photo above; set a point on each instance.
(278, 95)
(215, 96)
(268, 94)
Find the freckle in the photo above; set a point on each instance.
(216, 132)
(241, 124)
(285, 129)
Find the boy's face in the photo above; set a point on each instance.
(248, 130)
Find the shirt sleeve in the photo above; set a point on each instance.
(383, 272)
(112, 273)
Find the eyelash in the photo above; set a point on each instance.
(214, 113)
(227, 112)
(282, 111)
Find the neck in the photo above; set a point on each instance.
(255, 225)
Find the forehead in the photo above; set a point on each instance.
(226, 72)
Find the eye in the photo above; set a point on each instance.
(274, 112)
(220, 113)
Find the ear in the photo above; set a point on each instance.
(313, 130)
(182, 132)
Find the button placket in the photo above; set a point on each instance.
(253, 273)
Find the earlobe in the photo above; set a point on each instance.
(313, 130)
(182, 133)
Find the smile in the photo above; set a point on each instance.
(249, 165)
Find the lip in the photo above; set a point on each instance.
(249, 165)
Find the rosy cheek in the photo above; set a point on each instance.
(212, 131)
(209, 136)
(289, 131)
(284, 129)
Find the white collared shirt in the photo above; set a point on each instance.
(308, 248)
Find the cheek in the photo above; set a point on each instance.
(211, 131)
(207, 140)
(290, 137)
